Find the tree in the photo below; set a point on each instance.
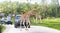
(55, 5)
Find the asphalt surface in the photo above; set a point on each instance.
(33, 29)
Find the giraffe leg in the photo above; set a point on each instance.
(21, 25)
(29, 24)
(24, 23)
(27, 21)
(36, 20)
(26, 28)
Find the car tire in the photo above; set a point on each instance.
(2, 22)
(28, 25)
(15, 25)
(9, 22)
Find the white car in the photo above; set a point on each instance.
(6, 20)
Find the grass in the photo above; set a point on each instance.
(51, 23)
(2, 28)
(55, 26)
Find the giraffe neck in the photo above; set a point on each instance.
(29, 12)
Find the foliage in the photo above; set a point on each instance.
(20, 8)
(2, 28)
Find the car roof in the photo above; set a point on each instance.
(18, 15)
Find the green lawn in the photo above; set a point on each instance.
(51, 23)
(2, 28)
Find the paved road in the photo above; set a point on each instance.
(33, 29)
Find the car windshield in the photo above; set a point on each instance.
(5, 19)
(17, 17)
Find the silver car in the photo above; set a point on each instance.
(6, 20)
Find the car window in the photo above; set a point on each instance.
(17, 17)
(5, 19)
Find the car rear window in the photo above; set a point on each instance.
(17, 17)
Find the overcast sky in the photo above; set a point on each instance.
(32, 1)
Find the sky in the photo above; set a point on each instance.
(32, 1)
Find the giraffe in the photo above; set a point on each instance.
(26, 16)
(37, 16)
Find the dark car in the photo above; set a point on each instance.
(17, 22)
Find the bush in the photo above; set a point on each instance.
(2, 28)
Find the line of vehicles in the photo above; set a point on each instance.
(8, 20)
